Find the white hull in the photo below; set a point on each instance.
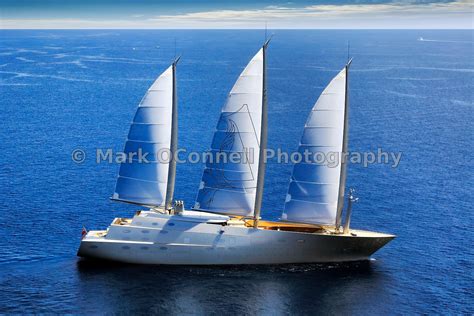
(153, 238)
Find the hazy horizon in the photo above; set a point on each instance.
(213, 14)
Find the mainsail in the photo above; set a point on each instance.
(153, 132)
(317, 185)
(230, 187)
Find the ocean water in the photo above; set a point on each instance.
(67, 90)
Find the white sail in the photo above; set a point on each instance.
(314, 188)
(228, 187)
(145, 182)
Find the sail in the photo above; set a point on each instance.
(314, 188)
(229, 186)
(140, 181)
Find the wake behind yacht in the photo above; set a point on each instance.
(224, 227)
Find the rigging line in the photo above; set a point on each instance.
(348, 50)
(246, 154)
(265, 31)
(253, 125)
(234, 125)
(254, 130)
(251, 120)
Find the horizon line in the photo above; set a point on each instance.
(237, 29)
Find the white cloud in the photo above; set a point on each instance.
(457, 14)
(346, 16)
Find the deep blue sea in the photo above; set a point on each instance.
(66, 90)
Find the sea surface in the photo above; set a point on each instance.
(67, 90)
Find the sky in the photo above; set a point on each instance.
(240, 14)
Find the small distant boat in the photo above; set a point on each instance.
(421, 39)
(224, 227)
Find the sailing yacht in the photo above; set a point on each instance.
(224, 227)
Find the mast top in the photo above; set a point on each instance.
(176, 60)
(267, 41)
(349, 63)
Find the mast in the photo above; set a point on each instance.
(263, 142)
(173, 143)
(345, 140)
